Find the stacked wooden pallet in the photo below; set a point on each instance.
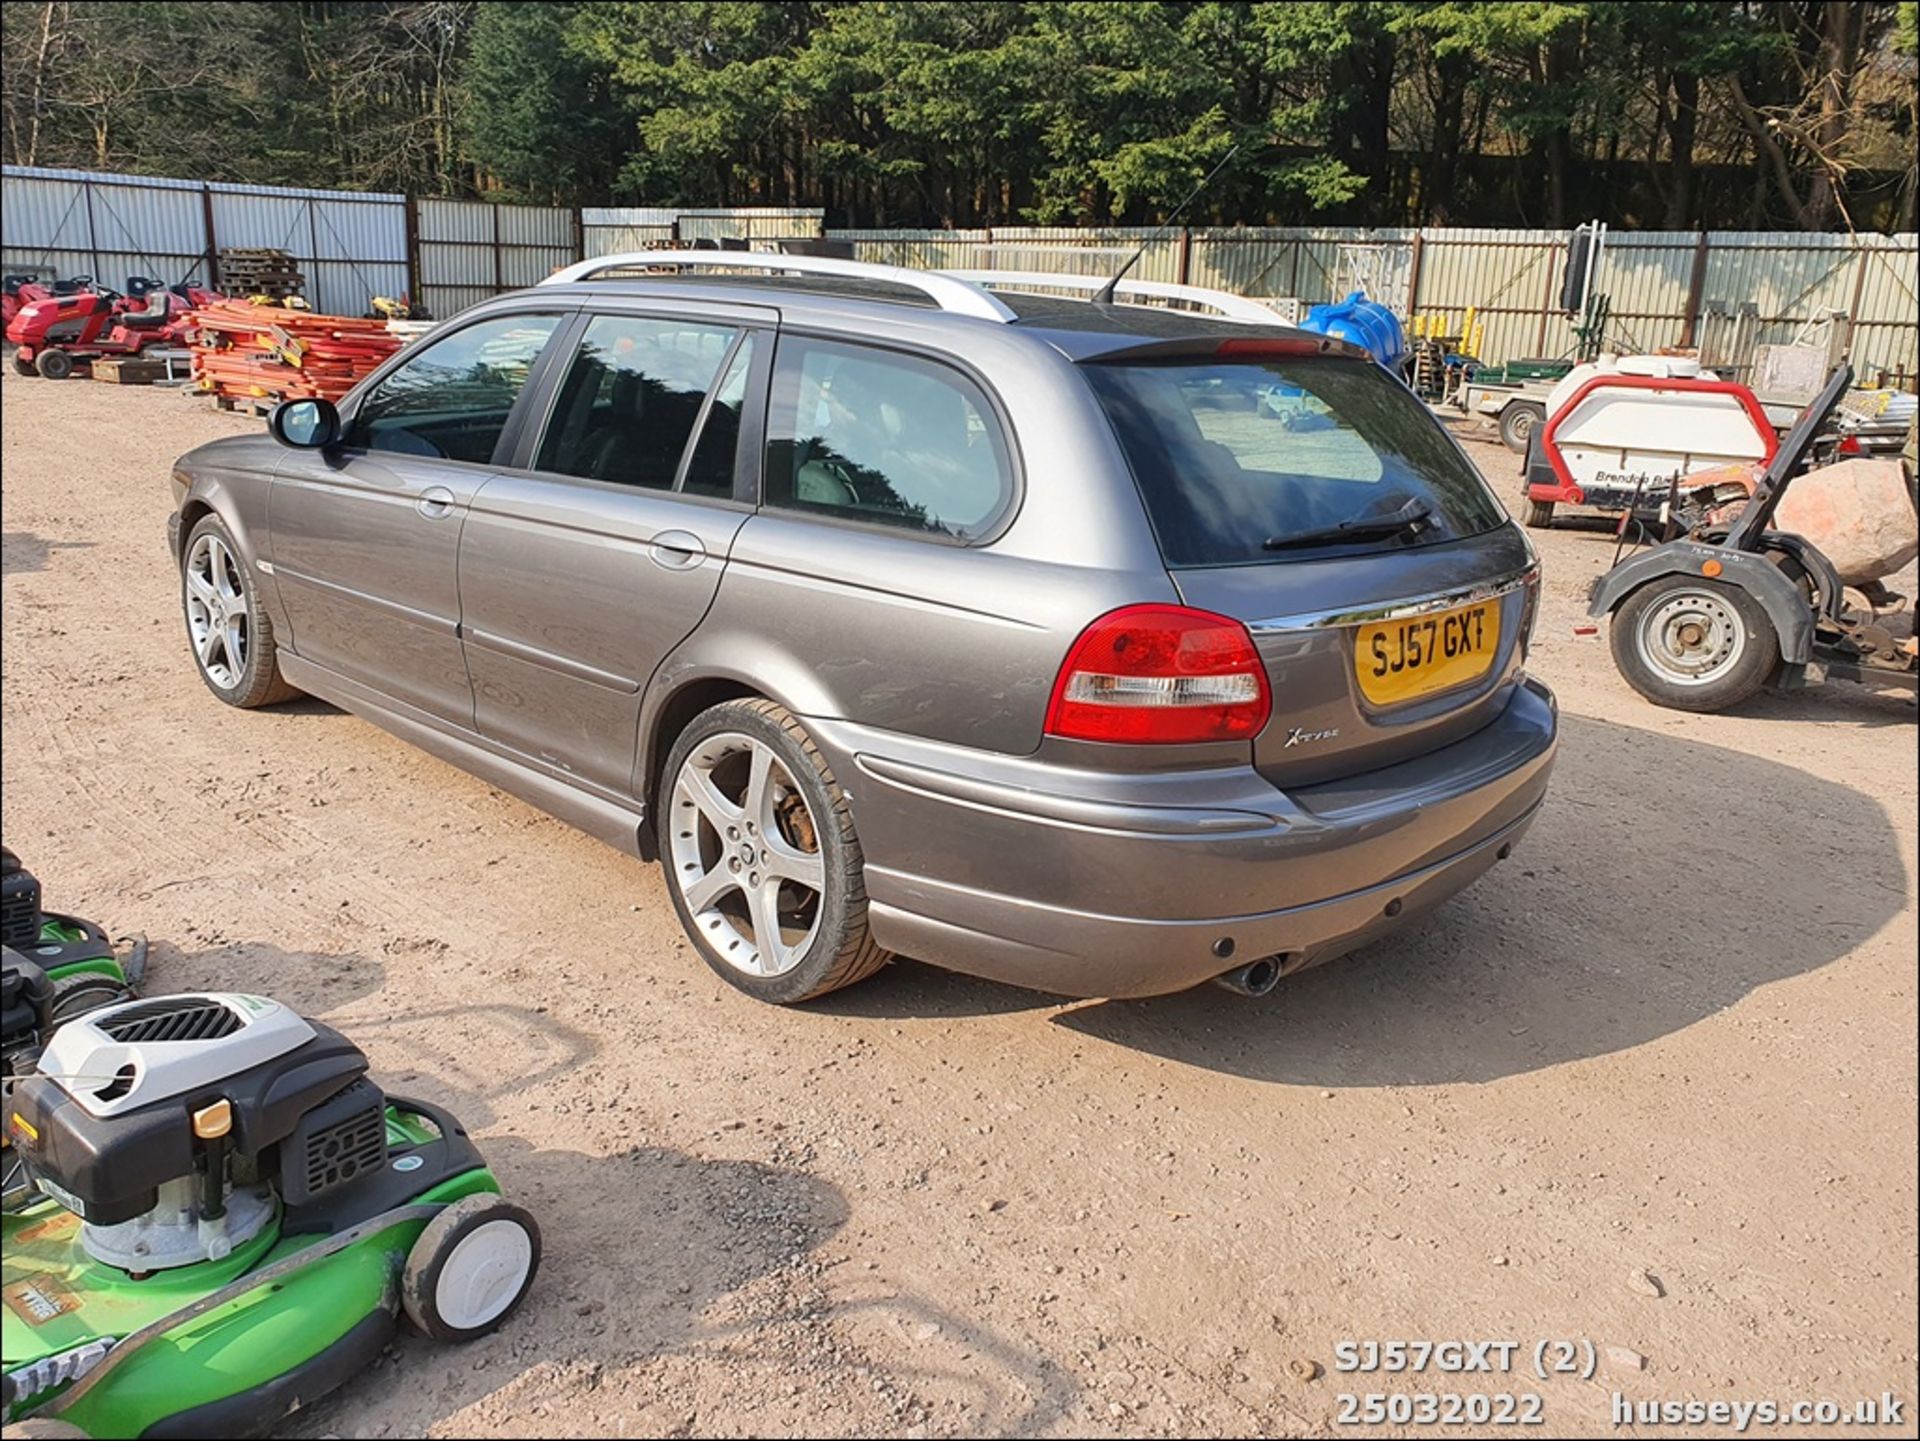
(260, 272)
(258, 355)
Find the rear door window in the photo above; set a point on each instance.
(631, 398)
(711, 467)
(884, 437)
(1235, 458)
(452, 399)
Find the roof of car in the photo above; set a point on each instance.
(1079, 329)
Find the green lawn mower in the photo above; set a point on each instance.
(229, 1216)
(52, 968)
(60, 963)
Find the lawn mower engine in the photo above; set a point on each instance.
(175, 1127)
(63, 946)
(231, 1214)
(52, 969)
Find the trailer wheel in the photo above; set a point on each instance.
(53, 364)
(1693, 644)
(1517, 422)
(1539, 514)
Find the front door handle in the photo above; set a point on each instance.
(676, 550)
(435, 502)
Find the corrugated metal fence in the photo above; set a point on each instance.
(1723, 291)
(1665, 288)
(74, 222)
(469, 250)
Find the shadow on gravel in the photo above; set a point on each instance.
(681, 1295)
(22, 552)
(913, 988)
(1664, 881)
(485, 1055)
(641, 1250)
(311, 982)
(307, 705)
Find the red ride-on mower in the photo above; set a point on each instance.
(17, 291)
(62, 331)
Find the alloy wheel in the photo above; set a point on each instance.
(746, 858)
(217, 614)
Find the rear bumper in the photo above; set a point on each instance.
(1094, 884)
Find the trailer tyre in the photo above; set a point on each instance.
(53, 364)
(1693, 644)
(1517, 422)
(1539, 514)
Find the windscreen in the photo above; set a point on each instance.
(1277, 459)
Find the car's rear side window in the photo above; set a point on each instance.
(630, 400)
(877, 435)
(1233, 457)
(451, 400)
(710, 469)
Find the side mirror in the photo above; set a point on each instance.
(305, 424)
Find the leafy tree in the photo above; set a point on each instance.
(968, 112)
(538, 115)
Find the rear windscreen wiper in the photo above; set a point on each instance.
(1411, 516)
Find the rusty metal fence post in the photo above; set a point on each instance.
(212, 253)
(1696, 285)
(412, 226)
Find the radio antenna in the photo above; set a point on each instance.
(1106, 292)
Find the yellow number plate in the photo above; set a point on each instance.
(1401, 660)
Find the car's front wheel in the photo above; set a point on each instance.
(227, 627)
(761, 858)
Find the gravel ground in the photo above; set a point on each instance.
(1650, 1084)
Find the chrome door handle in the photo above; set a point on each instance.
(676, 550)
(435, 502)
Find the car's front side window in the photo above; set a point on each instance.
(631, 399)
(452, 400)
(885, 437)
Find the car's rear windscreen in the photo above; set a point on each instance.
(1234, 457)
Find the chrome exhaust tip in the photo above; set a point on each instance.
(1255, 978)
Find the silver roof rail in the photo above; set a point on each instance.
(1229, 306)
(945, 290)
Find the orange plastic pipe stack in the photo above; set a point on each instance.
(270, 352)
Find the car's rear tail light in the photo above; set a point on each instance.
(1160, 675)
(1529, 611)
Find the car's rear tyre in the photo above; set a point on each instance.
(1694, 644)
(1539, 514)
(53, 364)
(1517, 422)
(761, 857)
(228, 629)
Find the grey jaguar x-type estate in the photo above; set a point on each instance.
(1095, 645)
